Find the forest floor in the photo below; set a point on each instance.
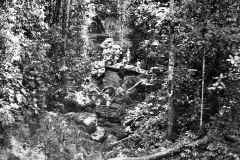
(55, 136)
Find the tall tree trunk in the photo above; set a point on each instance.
(202, 93)
(120, 7)
(171, 107)
(65, 21)
(64, 17)
(87, 20)
(66, 25)
(56, 13)
(50, 11)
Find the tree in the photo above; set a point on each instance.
(171, 107)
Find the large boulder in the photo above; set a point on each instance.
(87, 121)
(115, 129)
(111, 79)
(112, 113)
(99, 135)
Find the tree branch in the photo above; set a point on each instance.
(167, 152)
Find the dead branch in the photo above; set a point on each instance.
(110, 146)
(167, 152)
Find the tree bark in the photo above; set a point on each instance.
(56, 13)
(65, 21)
(65, 27)
(171, 108)
(202, 93)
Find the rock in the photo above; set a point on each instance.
(111, 79)
(71, 105)
(87, 120)
(112, 113)
(78, 156)
(99, 134)
(115, 129)
(111, 139)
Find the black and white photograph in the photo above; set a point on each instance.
(119, 79)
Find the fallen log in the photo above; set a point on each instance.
(162, 154)
(111, 145)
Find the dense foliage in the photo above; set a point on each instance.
(89, 79)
